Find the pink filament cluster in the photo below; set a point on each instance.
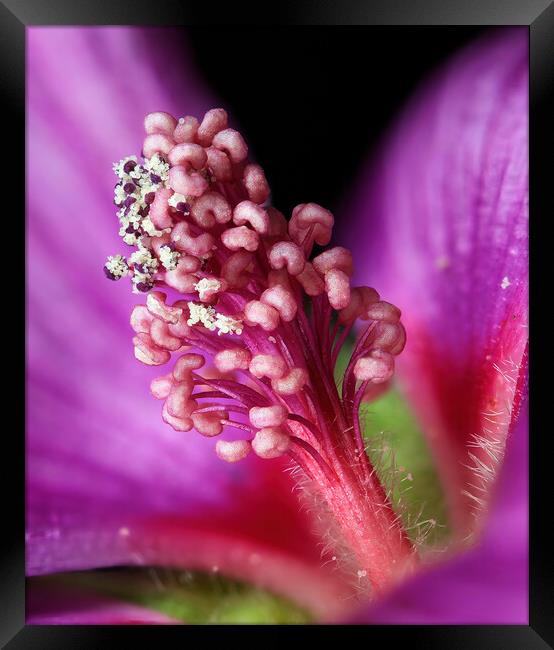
(258, 322)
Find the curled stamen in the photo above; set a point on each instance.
(258, 324)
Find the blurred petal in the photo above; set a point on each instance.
(49, 604)
(445, 211)
(184, 596)
(488, 584)
(100, 461)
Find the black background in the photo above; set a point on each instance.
(312, 102)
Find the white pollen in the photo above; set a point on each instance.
(151, 229)
(211, 320)
(117, 266)
(177, 198)
(505, 282)
(169, 258)
(201, 314)
(228, 325)
(207, 286)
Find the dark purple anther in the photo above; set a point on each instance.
(130, 229)
(128, 188)
(183, 207)
(109, 274)
(129, 201)
(143, 212)
(155, 178)
(144, 286)
(171, 246)
(149, 198)
(129, 166)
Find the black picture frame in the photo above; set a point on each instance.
(538, 15)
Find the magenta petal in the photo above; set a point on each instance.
(99, 458)
(488, 584)
(447, 206)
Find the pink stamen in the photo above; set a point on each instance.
(186, 129)
(267, 416)
(259, 324)
(232, 451)
(270, 442)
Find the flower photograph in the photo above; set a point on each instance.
(277, 325)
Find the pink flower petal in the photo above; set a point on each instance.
(488, 584)
(446, 208)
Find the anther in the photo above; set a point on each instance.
(219, 163)
(272, 366)
(377, 367)
(210, 208)
(160, 387)
(282, 300)
(270, 442)
(383, 311)
(155, 303)
(232, 451)
(188, 154)
(215, 120)
(257, 313)
(291, 383)
(289, 255)
(209, 424)
(360, 300)
(141, 319)
(187, 182)
(232, 359)
(161, 336)
(307, 215)
(255, 183)
(148, 352)
(157, 143)
(159, 209)
(178, 403)
(267, 416)
(337, 287)
(160, 122)
(232, 143)
(240, 237)
(186, 364)
(334, 258)
(389, 336)
(186, 129)
(179, 424)
(184, 241)
(248, 212)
